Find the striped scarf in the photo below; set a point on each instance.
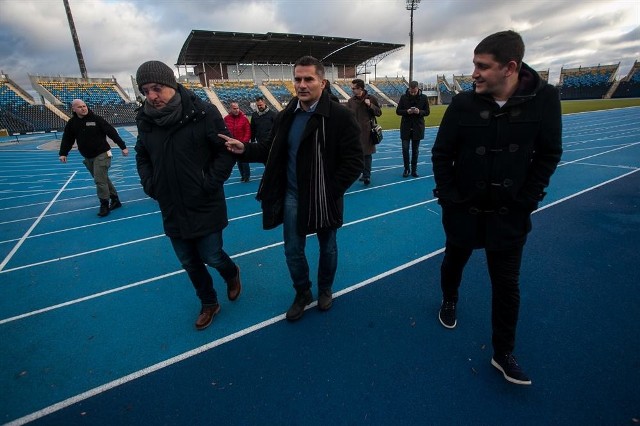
(323, 210)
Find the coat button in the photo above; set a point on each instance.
(507, 183)
(481, 150)
(513, 147)
(481, 184)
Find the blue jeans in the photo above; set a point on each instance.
(294, 250)
(194, 253)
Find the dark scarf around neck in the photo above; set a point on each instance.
(167, 116)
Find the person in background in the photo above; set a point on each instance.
(183, 165)
(311, 158)
(90, 131)
(413, 107)
(240, 128)
(261, 121)
(327, 88)
(365, 107)
(494, 155)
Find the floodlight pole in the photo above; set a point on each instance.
(411, 5)
(76, 41)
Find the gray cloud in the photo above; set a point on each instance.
(117, 35)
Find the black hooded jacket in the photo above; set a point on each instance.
(90, 132)
(184, 167)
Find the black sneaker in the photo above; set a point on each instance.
(303, 298)
(115, 204)
(510, 369)
(447, 314)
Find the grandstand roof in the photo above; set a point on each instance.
(277, 48)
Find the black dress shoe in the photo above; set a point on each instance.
(367, 181)
(406, 173)
(415, 174)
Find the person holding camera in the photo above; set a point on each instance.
(413, 108)
(365, 107)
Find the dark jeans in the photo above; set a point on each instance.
(245, 170)
(194, 253)
(504, 271)
(415, 145)
(294, 250)
(366, 172)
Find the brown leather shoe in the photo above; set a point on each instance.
(234, 287)
(325, 299)
(206, 316)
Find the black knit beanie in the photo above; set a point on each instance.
(155, 72)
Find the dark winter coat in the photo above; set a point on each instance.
(363, 115)
(491, 164)
(331, 132)
(412, 122)
(90, 132)
(261, 125)
(184, 167)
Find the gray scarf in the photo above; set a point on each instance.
(260, 113)
(167, 116)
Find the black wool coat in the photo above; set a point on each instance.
(412, 122)
(333, 131)
(491, 164)
(184, 167)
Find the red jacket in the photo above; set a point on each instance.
(239, 126)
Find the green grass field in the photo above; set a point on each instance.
(389, 119)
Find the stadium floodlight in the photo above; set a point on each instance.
(76, 41)
(411, 5)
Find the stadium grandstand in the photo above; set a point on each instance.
(19, 113)
(629, 86)
(222, 67)
(587, 83)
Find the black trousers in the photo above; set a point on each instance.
(415, 147)
(504, 271)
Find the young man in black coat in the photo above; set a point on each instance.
(494, 154)
(183, 165)
(413, 107)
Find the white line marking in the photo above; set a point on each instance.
(24, 237)
(196, 351)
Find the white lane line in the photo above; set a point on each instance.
(196, 351)
(92, 296)
(178, 358)
(24, 237)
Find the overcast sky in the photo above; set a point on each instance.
(116, 35)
